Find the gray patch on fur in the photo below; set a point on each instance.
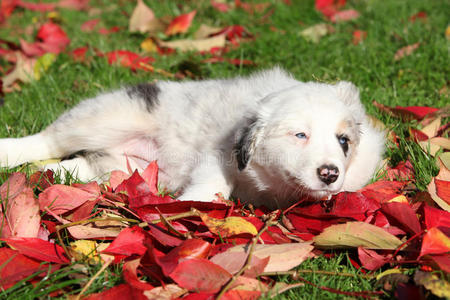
(146, 91)
(243, 147)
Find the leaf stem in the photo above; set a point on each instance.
(246, 265)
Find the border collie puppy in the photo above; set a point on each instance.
(267, 139)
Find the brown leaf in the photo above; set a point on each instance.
(23, 71)
(283, 257)
(356, 234)
(166, 292)
(196, 45)
(141, 18)
(405, 51)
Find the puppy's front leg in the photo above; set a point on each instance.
(207, 180)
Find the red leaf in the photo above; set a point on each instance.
(89, 25)
(435, 217)
(371, 260)
(200, 275)
(443, 189)
(7, 7)
(406, 51)
(106, 31)
(15, 266)
(359, 36)
(418, 135)
(329, 7)
(420, 15)
(74, 4)
(222, 7)
(42, 180)
(22, 216)
(241, 295)
(62, 198)
(13, 186)
(131, 277)
(435, 242)
(419, 112)
(79, 54)
(383, 191)
(38, 249)
(150, 175)
(54, 40)
(163, 236)
(130, 241)
(189, 249)
(442, 260)
(122, 292)
(181, 23)
(345, 15)
(42, 7)
(403, 214)
(128, 59)
(117, 177)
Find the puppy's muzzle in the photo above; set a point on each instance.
(328, 173)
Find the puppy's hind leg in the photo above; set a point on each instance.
(16, 151)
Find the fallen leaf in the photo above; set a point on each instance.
(15, 267)
(166, 292)
(200, 275)
(181, 23)
(195, 45)
(406, 51)
(85, 250)
(229, 226)
(128, 59)
(62, 198)
(204, 31)
(344, 15)
(435, 242)
(74, 4)
(421, 15)
(130, 241)
(38, 249)
(371, 260)
(22, 215)
(42, 7)
(23, 71)
(283, 257)
(189, 249)
(359, 36)
(122, 291)
(220, 6)
(131, 277)
(315, 32)
(141, 18)
(356, 234)
(329, 7)
(90, 25)
(438, 286)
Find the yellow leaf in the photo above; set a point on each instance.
(229, 226)
(85, 249)
(429, 148)
(441, 141)
(356, 234)
(388, 272)
(148, 45)
(445, 159)
(314, 33)
(42, 64)
(400, 198)
(195, 45)
(439, 287)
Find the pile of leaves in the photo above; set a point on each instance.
(223, 249)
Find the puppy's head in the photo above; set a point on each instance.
(304, 137)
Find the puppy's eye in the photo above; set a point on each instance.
(301, 135)
(343, 140)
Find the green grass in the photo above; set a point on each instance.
(413, 80)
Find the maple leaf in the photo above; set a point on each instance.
(181, 23)
(54, 40)
(435, 242)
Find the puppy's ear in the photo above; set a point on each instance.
(247, 141)
(348, 93)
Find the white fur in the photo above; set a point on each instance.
(196, 130)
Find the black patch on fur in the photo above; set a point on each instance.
(89, 155)
(243, 147)
(343, 146)
(146, 91)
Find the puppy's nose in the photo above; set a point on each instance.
(328, 173)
